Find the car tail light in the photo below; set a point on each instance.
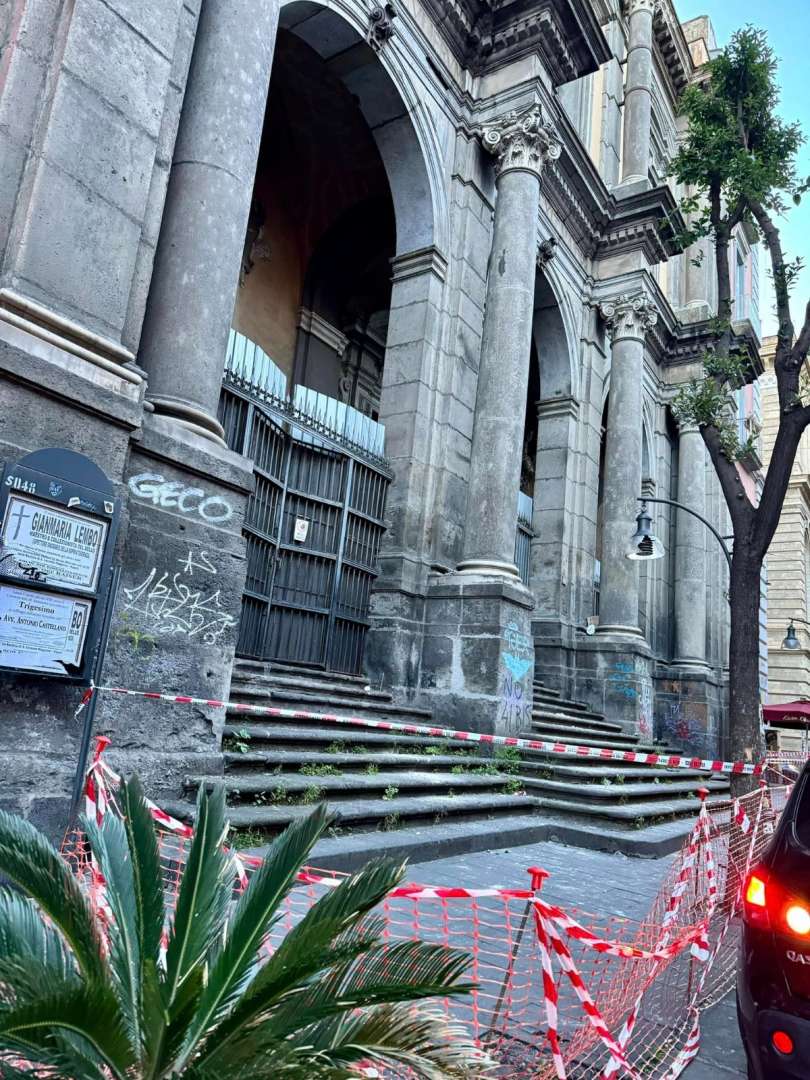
(782, 1042)
(769, 905)
(757, 899)
(797, 918)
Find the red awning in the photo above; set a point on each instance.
(794, 712)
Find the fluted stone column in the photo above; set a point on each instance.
(638, 92)
(522, 145)
(629, 317)
(690, 551)
(202, 236)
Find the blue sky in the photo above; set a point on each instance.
(788, 26)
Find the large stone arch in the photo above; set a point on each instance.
(395, 113)
(554, 339)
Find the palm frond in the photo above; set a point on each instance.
(65, 1063)
(25, 937)
(32, 863)
(249, 924)
(204, 895)
(146, 871)
(88, 1011)
(108, 842)
(397, 1036)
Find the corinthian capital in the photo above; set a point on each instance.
(522, 141)
(632, 7)
(629, 316)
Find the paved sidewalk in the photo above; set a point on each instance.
(601, 883)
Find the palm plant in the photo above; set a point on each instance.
(82, 1001)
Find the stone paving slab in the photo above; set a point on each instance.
(605, 885)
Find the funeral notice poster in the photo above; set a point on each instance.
(41, 631)
(51, 545)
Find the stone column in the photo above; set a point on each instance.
(690, 551)
(202, 236)
(638, 92)
(522, 145)
(629, 317)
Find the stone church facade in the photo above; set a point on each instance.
(451, 218)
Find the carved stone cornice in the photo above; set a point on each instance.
(630, 315)
(484, 35)
(633, 7)
(524, 141)
(672, 47)
(650, 220)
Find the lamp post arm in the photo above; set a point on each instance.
(694, 513)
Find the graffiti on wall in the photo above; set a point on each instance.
(181, 603)
(645, 711)
(622, 679)
(154, 488)
(517, 656)
(684, 725)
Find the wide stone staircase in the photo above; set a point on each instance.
(428, 798)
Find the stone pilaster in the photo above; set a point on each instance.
(629, 317)
(521, 144)
(557, 420)
(690, 551)
(202, 237)
(638, 92)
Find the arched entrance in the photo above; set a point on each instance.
(554, 412)
(341, 191)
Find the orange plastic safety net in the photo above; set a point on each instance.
(561, 993)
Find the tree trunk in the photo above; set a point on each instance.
(745, 737)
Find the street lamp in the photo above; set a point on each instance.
(791, 640)
(644, 544)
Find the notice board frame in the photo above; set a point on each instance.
(66, 481)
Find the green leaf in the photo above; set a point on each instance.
(250, 923)
(29, 860)
(108, 842)
(26, 938)
(89, 1011)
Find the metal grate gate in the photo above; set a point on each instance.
(313, 527)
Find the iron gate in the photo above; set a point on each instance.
(313, 528)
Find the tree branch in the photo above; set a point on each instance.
(780, 468)
(773, 242)
(800, 349)
(740, 507)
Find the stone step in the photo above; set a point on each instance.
(295, 735)
(583, 736)
(328, 703)
(451, 837)
(580, 720)
(627, 793)
(633, 771)
(294, 760)
(633, 814)
(301, 673)
(270, 683)
(281, 788)
(374, 813)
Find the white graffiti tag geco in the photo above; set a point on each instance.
(167, 494)
(168, 605)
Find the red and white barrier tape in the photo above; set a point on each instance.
(568, 750)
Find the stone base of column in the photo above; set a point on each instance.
(477, 664)
(691, 708)
(189, 416)
(615, 677)
(619, 632)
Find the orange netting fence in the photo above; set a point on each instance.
(562, 993)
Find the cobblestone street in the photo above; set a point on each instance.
(605, 885)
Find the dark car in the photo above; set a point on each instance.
(773, 982)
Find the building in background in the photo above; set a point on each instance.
(436, 244)
(788, 558)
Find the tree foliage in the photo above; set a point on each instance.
(738, 162)
(90, 996)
